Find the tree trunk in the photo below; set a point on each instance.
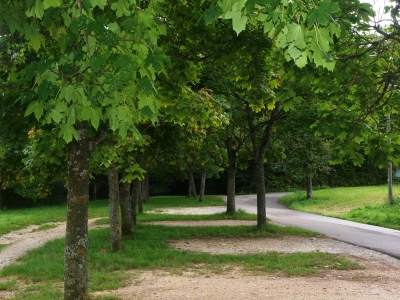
(76, 236)
(192, 184)
(230, 188)
(115, 223)
(135, 195)
(309, 187)
(1, 199)
(140, 198)
(260, 188)
(189, 187)
(126, 208)
(145, 188)
(203, 184)
(94, 190)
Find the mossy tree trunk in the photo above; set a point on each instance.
(76, 236)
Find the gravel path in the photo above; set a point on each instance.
(378, 279)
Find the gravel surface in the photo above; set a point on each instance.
(379, 277)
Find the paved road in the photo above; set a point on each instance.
(372, 237)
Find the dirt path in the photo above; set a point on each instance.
(379, 278)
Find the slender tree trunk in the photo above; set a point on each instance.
(126, 208)
(260, 187)
(189, 194)
(139, 159)
(1, 199)
(192, 184)
(115, 223)
(145, 188)
(230, 188)
(203, 184)
(140, 197)
(76, 236)
(309, 187)
(94, 190)
(135, 195)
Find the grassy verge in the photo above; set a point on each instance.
(13, 219)
(361, 204)
(148, 249)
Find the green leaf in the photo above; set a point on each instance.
(37, 10)
(52, 3)
(36, 108)
(95, 62)
(295, 35)
(211, 14)
(67, 132)
(100, 3)
(67, 92)
(301, 61)
(321, 13)
(239, 22)
(56, 115)
(146, 85)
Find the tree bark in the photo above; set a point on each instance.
(260, 188)
(94, 189)
(259, 149)
(1, 199)
(76, 236)
(230, 188)
(309, 187)
(126, 208)
(189, 187)
(202, 184)
(192, 184)
(115, 223)
(145, 188)
(135, 195)
(139, 197)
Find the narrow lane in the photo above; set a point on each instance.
(372, 237)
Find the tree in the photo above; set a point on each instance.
(89, 55)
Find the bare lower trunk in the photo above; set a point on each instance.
(260, 187)
(192, 184)
(135, 195)
(115, 223)
(76, 236)
(202, 185)
(140, 198)
(230, 187)
(189, 187)
(230, 195)
(1, 200)
(126, 208)
(94, 189)
(145, 188)
(309, 187)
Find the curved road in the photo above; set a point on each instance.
(372, 237)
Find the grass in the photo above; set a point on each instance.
(14, 219)
(148, 249)
(367, 205)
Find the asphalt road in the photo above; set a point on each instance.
(372, 237)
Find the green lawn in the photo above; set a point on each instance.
(41, 270)
(367, 205)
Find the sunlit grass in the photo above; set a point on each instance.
(362, 204)
(148, 249)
